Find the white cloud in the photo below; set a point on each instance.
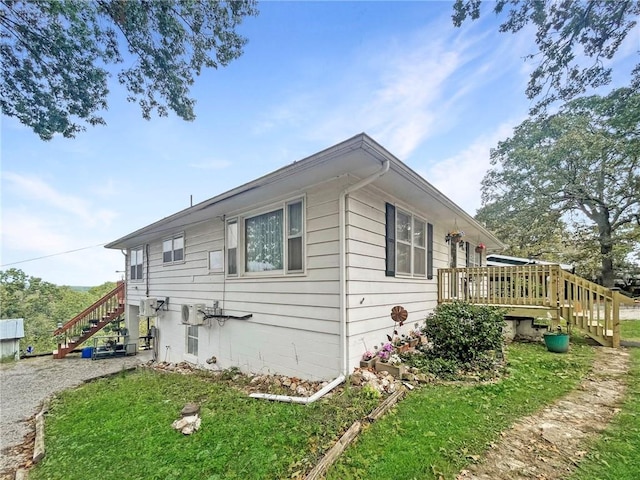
(459, 176)
(32, 188)
(402, 92)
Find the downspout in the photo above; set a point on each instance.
(344, 354)
(343, 300)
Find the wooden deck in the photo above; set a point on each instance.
(535, 291)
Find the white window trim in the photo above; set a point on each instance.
(412, 245)
(241, 247)
(141, 249)
(184, 249)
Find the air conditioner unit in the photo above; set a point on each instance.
(193, 314)
(148, 307)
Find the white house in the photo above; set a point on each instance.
(296, 272)
(11, 331)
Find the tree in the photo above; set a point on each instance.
(42, 305)
(568, 32)
(581, 165)
(55, 53)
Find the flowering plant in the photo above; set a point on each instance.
(394, 359)
(415, 333)
(385, 352)
(368, 355)
(481, 246)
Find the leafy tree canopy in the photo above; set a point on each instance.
(55, 54)
(569, 34)
(42, 305)
(582, 166)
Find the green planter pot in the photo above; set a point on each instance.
(557, 342)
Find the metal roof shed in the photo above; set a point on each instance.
(11, 331)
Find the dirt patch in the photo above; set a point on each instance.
(548, 445)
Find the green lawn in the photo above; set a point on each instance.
(121, 428)
(615, 455)
(436, 430)
(630, 330)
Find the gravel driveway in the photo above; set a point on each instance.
(24, 385)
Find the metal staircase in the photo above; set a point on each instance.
(90, 321)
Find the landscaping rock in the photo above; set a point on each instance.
(187, 425)
(190, 409)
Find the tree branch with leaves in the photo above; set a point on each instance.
(580, 166)
(55, 56)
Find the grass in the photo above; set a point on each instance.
(437, 430)
(614, 455)
(630, 330)
(121, 426)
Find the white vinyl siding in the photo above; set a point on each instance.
(292, 313)
(370, 292)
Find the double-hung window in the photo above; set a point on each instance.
(173, 249)
(269, 242)
(409, 244)
(135, 264)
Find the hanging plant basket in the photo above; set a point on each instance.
(480, 248)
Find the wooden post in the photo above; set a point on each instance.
(616, 320)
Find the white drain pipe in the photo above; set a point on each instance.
(304, 400)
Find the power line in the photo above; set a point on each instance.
(52, 255)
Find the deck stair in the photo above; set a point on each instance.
(539, 291)
(90, 321)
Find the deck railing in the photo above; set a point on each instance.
(90, 320)
(587, 305)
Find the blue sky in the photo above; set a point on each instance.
(312, 75)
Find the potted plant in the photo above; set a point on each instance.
(454, 236)
(558, 341)
(392, 365)
(368, 359)
(480, 248)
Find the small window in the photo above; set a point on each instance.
(173, 249)
(192, 340)
(136, 262)
(295, 232)
(216, 261)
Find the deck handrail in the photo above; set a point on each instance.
(585, 304)
(117, 292)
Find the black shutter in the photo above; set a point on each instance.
(467, 254)
(390, 245)
(429, 251)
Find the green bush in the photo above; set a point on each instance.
(463, 333)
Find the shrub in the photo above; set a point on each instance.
(463, 332)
